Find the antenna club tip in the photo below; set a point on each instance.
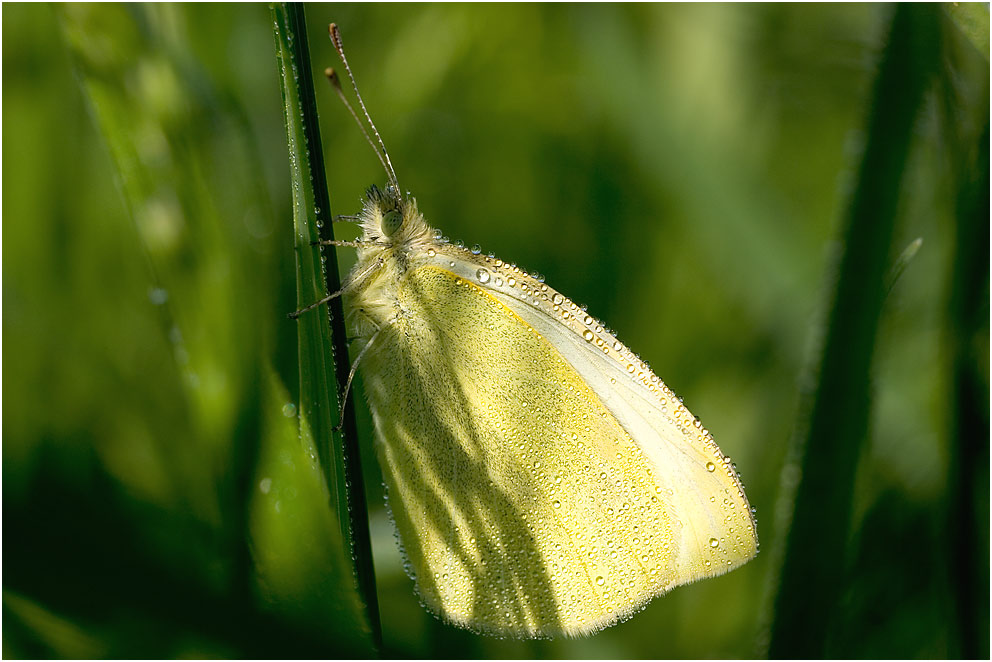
(332, 78)
(335, 34)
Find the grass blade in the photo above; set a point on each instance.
(322, 349)
(972, 18)
(301, 563)
(968, 508)
(169, 130)
(812, 569)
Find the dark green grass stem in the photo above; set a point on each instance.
(812, 574)
(323, 348)
(967, 331)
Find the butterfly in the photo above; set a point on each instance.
(543, 480)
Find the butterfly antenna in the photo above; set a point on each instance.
(384, 156)
(332, 76)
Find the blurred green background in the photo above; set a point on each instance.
(684, 170)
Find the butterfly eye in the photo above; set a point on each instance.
(391, 222)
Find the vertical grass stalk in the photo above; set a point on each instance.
(968, 505)
(812, 571)
(323, 353)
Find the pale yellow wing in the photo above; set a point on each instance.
(538, 487)
(703, 484)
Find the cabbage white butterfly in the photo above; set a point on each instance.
(543, 480)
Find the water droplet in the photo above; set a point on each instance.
(158, 296)
(600, 581)
(714, 542)
(265, 485)
(587, 334)
(710, 467)
(289, 410)
(556, 503)
(476, 249)
(483, 275)
(431, 252)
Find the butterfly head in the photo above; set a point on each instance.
(387, 210)
(390, 217)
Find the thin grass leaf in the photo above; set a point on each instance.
(972, 19)
(967, 335)
(899, 266)
(322, 354)
(812, 570)
(168, 129)
(54, 636)
(300, 560)
(161, 122)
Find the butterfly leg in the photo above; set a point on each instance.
(354, 369)
(347, 244)
(351, 282)
(335, 242)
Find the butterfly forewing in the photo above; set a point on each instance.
(702, 487)
(540, 486)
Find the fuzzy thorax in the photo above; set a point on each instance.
(394, 232)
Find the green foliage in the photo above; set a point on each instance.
(687, 171)
(838, 420)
